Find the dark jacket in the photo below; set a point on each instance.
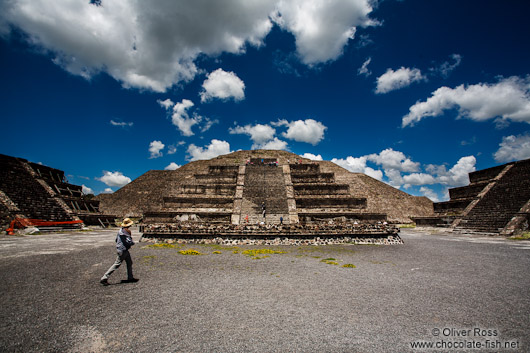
(123, 241)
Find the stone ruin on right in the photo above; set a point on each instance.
(497, 202)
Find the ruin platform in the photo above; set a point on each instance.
(274, 234)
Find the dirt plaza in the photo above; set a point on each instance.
(436, 292)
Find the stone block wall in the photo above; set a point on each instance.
(33, 200)
(319, 196)
(451, 208)
(206, 196)
(381, 198)
(502, 202)
(485, 174)
(496, 202)
(468, 192)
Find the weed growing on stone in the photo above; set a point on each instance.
(216, 252)
(190, 252)
(524, 236)
(349, 266)
(330, 261)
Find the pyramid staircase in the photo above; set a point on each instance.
(497, 201)
(264, 196)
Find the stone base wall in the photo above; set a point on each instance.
(237, 241)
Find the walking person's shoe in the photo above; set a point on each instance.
(104, 282)
(131, 280)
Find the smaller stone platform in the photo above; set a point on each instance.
(274, 234)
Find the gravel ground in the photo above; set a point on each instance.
(293, 302)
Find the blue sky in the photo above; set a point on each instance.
(414, 93)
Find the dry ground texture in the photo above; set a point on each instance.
(283, 299)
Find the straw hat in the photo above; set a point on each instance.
(126, 223)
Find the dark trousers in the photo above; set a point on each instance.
(125, 256)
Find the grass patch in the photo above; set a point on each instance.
(189, 252)
(259, 258)
(330, 261)
(349, 266)
(219, 247)
(162, 245)
(216, 252)
(524, 236)
(255, 252)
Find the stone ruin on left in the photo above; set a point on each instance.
(33, 195)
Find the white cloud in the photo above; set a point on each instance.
(181, 119)
(259, 133)
(121, 123)
(114, 179)
(400, 171)
(358, 165)
(155, 148)
(322, 28)
(153, 45)
(146, 45)
(108, 191)
(167, 103)
(354, 165)
(513, 148)
(393, 163)
(309, 130)
(86, 190)
(363, 70)
(418, 179)
(274, 144)
(262, 136)
(394, 177)
(447, 67)
(172, 166)
(374, 173)
(509, 99)
(172, 149)
(214, 149)
(458, 174)
(392, 80)
(222, 85)
(208, 123)
(431, 194)
(312, 157)
(390, 159)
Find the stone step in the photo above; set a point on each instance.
(269, 218)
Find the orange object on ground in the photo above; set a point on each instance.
(20, 223)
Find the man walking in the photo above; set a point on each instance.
(124, 242)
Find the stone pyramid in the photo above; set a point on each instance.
(262, 186)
